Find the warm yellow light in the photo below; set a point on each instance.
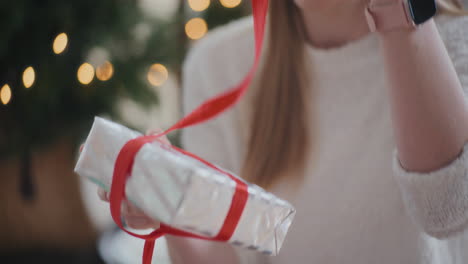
(199, 5)
(196, 28)
(85, 73)
(29, 76)
(60, 43)
(157, 74)
(5, 94)
(105, 71)
(230, 3)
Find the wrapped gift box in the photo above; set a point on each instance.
(183, 192)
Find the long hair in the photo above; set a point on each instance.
(279, 138)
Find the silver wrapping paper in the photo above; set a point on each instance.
(183, 192)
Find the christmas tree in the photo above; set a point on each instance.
(63, 62)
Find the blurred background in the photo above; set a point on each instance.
(63, 62)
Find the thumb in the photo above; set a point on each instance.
(158, 131)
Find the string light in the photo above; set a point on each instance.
(5, 94)
(85, 73)
(29, 76)
(230, 3)
(196, 28)
(199, 5)
(60, 43)
(105, 71)
(157, 74)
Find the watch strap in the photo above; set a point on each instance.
(388, 15)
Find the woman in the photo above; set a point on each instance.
(363, 132)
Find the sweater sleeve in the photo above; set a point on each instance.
(220, 141)
(438, 200)
(206, 139)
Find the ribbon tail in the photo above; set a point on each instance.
(148, 251)
(208, 110)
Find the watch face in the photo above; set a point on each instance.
(422, 10)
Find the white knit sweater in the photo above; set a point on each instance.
(356, 205)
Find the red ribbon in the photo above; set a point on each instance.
(207, 110)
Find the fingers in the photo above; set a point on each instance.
(140, 222)
(103, 195)
(135, 218)
(130, 210)
(158, 131)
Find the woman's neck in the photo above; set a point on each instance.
(334, 27)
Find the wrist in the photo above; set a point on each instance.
(408, 35)
(398, 15)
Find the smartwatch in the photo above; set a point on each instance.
(389, 15)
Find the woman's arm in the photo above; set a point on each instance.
(430, 121)
(429, 110)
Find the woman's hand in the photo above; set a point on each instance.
(134, 217)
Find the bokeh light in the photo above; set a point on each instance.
(199, 5)
(157, 74)
(105, 71)
(29, 76)
(5, 94)
(230, 3)
(60, 43)
(196, 28)
(85, 73)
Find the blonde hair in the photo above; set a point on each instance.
(279, 136)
